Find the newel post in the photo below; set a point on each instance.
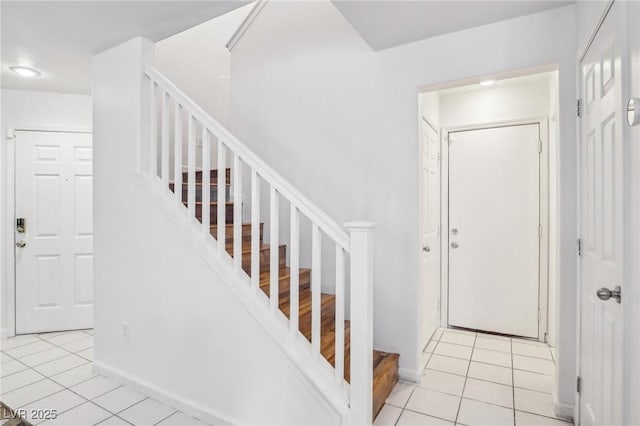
(361, 250)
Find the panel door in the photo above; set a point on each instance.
(494, 217)
(601, 185)
(54, 256)
(430, 230)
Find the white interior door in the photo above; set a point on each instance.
(601, 186)
(54, 256)
(494, 217)
(430, 229)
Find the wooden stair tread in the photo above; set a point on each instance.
(283, 274)
(246, 248)
(213, 203)
(172, 183)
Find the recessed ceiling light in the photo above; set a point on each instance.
(25, 71)
(487, 83)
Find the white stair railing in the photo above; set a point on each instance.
(163, 163)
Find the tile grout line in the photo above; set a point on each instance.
(44, 377)
(466, 378)
(50, 378)
(83, 398)
(404, 407)
(513, 385)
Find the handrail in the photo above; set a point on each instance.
(295, 197)
(246, 23)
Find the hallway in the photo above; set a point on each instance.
(477, 379)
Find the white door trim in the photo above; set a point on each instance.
(543, 305)
(9, 279)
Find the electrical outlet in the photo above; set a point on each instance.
(125, 328)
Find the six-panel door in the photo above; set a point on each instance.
(54, 256)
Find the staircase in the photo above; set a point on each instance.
(385, 365)
(303, 296)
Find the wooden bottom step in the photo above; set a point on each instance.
(385, 377)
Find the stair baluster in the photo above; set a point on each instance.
(237, 213)
(255, 231)
(191, 166)
(177, 153)
(222, 182)
(205, 188)
(274, 235)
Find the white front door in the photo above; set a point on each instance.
(494, 217)
(601, 219)
(54, 254)
(430, 230)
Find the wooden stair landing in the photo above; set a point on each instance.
(385, 365)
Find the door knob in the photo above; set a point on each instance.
(606, 294)
(426, 249)
(454, 245)
(633, 111)
(21, 243)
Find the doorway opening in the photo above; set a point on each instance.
(487, 207)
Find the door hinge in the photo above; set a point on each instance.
(539, 315)
(579, 107)
(579, 384)
(539, 147)
(579, 247)
(539, 230)
(438, 159)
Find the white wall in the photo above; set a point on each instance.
(23, 109)
(588, 14)
(198, 62)
(509, 100)
(190, 340)
(340, 122)
(429, 104)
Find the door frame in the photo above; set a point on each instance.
(9, 279)
(422, 279)
(543, 274)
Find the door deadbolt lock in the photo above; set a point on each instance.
(426, 249)
(21, 225)
(606, 294)
(455, 245)
(21, 243)
(454, 231)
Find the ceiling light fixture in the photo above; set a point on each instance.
(25, 71)
(487, 83)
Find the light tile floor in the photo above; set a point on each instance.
(477, 379)
(53, 371)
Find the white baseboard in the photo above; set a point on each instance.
(3, 333)
(413, 376)
(185, 405)
(562, 410)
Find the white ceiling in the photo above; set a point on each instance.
(385, 24)
(58, 38)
